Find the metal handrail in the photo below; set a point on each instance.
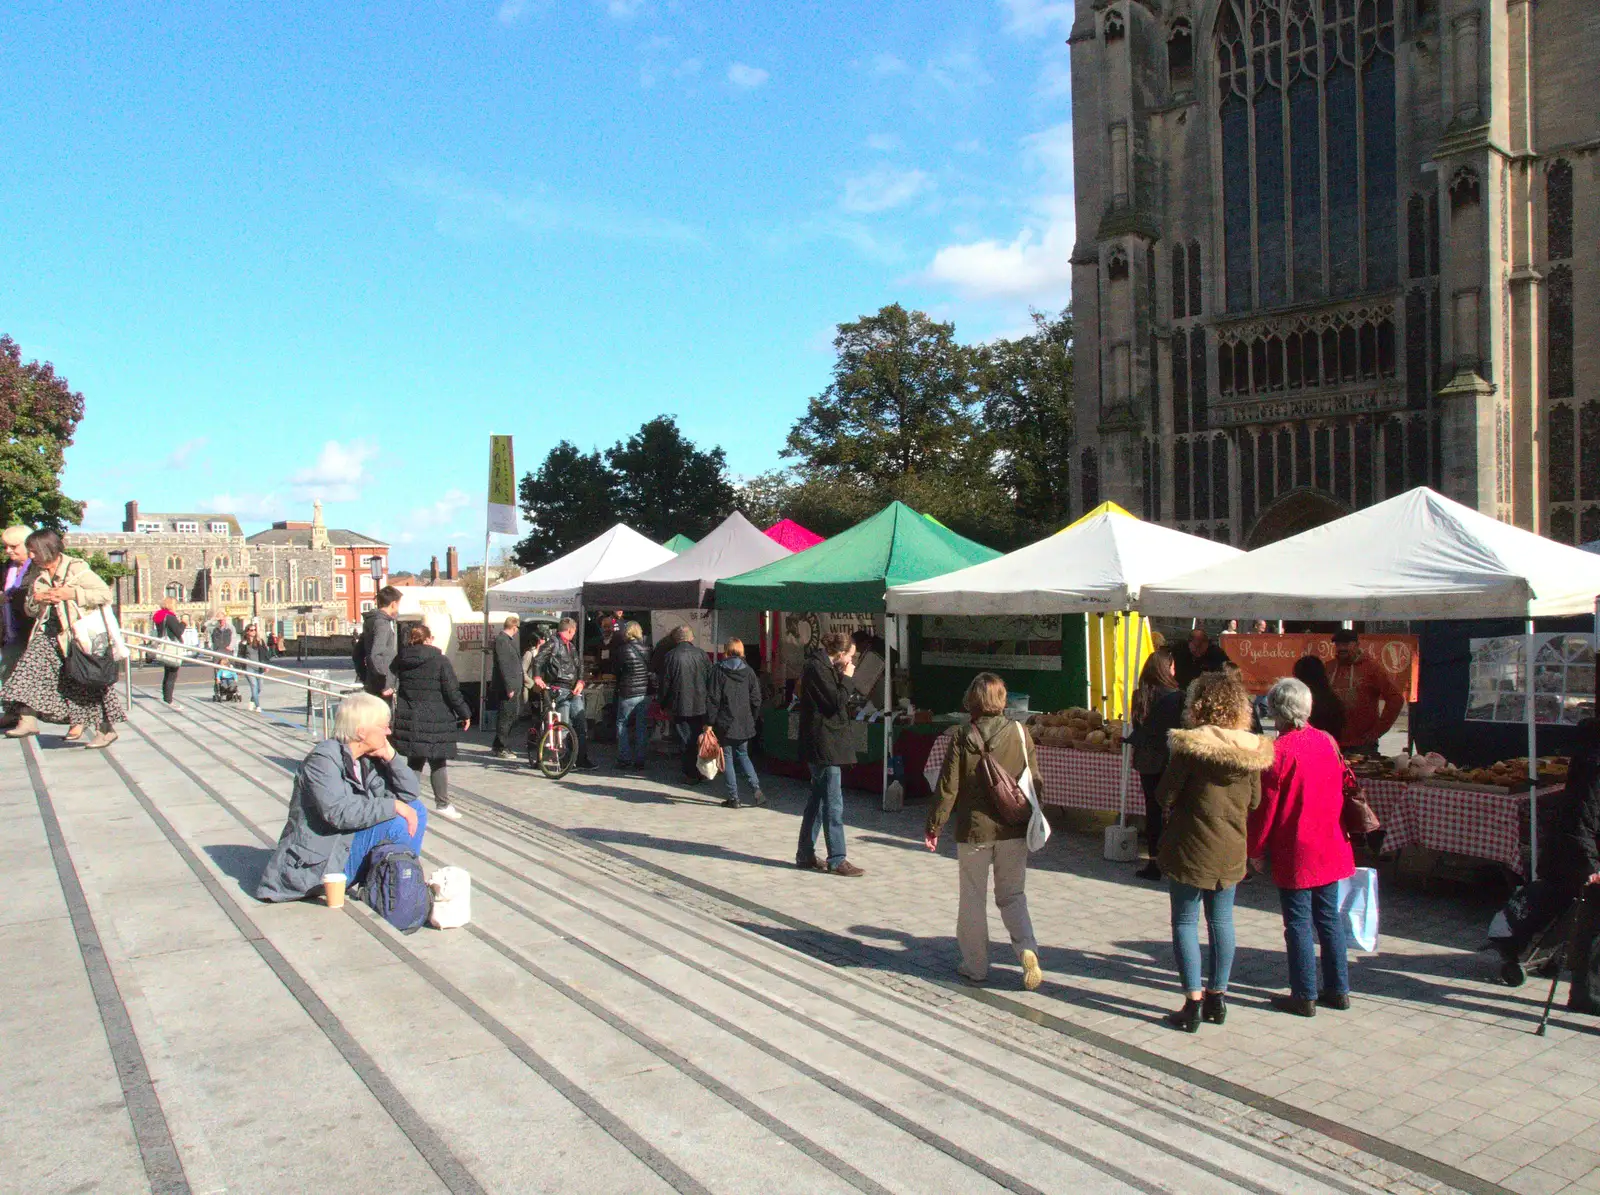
(319, 691)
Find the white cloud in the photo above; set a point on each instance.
(249, 508)
(1038, 18)
(441, 513)
(340, 472)
(511, 11)
(747, 77)
(181, 455)
(883, 188)
(99, 515)
(1033, 266)
(888, 64)
(956, 71)
(688, 68)
(1051, 151)
(885, 143)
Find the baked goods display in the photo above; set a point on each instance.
(1077, 729)
(1507, 775)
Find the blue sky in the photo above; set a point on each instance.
(299, 251)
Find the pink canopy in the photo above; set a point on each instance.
(793, 536)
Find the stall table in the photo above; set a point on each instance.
(1068, 778)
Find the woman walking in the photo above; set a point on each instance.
(429, 714)
(1157, 709)
(64, 590)
(733, 710)
(1212, 781)
(1302, 796)
(255, 651)
(168, 625)
(631, 659)
(982, 839)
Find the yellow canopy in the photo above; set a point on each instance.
(1106, 639)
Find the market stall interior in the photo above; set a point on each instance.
(1417, 556)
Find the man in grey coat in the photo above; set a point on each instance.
(380, 644)
(351, 793)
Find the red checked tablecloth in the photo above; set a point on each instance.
(1072, 779)
(1492, 826)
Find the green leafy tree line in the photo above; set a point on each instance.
(39, 412)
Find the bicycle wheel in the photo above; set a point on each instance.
(557, 750)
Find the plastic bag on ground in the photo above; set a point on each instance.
(452, 898)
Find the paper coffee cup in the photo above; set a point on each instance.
(333, 889)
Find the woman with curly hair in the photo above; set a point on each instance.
(1212, 782)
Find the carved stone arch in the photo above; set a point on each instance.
(1297, 511)
(1117, 264)
(1465, 187)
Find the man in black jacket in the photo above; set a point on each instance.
(505, 682)
(826, 747)
(380, 644)
(1202, 655)
(559, 668)
(685, 676)
(1577, 852)
(631, 660)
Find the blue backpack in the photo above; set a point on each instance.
(396, 889)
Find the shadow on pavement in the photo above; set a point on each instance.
(242, 864)
(675, 845)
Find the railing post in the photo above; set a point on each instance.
(127, 675)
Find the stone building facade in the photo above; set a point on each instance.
(1329, 250)
(351, 581)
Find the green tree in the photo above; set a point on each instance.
(39, 412)
(1027, 387)
(569, 501)
(666, 485)
(764, 498)
(107, 569)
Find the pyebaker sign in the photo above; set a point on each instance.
(1265, 659)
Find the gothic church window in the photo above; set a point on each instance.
(1558, 291)
(1194, 278)
(1558, 210)
(1180, 57)
(1180, 308)
(1180, 381)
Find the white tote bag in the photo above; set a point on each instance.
(1358, 905)
(97, 630)
(452, 898)
(1038, 827)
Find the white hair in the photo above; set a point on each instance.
(15, 536)
(1289, 702)
(356, 713)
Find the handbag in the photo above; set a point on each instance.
(1011, 803)
(1038, 825)
(1357, 817)
(89, 670)
(709, 761)
(1358, 905)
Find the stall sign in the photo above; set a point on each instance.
(469, 635)
(1267, 659)
(1010, 642)
(1563, 679)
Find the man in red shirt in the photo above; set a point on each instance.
(1371, 699)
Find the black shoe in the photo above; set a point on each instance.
(1338, 1001)
(1186, 1018)
(758, 798)
(1511, 972)
(585, 764)
(1150, 871)
(1214, 1007)
(1295, 1005)
(730, 803)
(1587, 1007)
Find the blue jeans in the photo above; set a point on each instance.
(1311, 915)
(736, 757)
(393, 830)
(1186, 904)
(573, 709)
(633, 729)
(824, 811)
(253, 679)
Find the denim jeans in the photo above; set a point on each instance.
(253, 679)
(1186, 904)
(824, 811)
(736, 758)
(393, 830)
(633, 729)
(1303, 909)
(574, 711)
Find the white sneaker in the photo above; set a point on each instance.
(448, 812)
(175, 707)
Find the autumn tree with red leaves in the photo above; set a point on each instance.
(39, 412)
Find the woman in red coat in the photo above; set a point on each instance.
(1297, 822)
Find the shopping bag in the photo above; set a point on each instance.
(452, 898)
(1358, 905)
(1038, 826)
(97, 631)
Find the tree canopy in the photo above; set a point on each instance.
(1027, 387)
(570, 500)
(39, 412)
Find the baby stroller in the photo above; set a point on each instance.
(226, 686)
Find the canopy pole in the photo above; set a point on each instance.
(888, 700)
(1533, 759)
(1127, 714)
(483, 664)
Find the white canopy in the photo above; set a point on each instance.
(1101, 562)
(620, 552)
(1418, 555)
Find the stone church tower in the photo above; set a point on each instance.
(1329, 250)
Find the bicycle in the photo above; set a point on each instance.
(552, 745)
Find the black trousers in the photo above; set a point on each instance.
(1153, 817)
(169, 684)
(1583, 952)
(689, 730)
(438, 778)
(506, 720)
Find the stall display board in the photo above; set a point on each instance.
(799, 633)
(1563, 679)
(1049, 686)
(1267, 659)
(1019, 642)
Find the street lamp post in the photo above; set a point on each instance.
(255, 590)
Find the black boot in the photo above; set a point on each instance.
(1296, 1005)
(1338, 1001)
(1215, 1007)
(1186, 1018)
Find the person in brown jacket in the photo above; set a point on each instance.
(1212, 782)
(982, 838)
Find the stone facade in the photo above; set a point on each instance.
(1329, 250)
(351, 582)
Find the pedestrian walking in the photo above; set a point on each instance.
(15, 623)
(505, 683)
(225, 637)
(685, 676)
(1211, 783)
(734, 705)
(429, 713)
(63, 590)
(255, 652)
(983, 839)
(1157, 710)
(166, 624)
(1297, 822)
(631, 659)
(379, 645)
(558, 669)
(826, 748)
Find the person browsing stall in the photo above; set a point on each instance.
(1371, 700)
(1199, 656)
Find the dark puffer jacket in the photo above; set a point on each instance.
(735, 701)
(631, 659)
(428, 707)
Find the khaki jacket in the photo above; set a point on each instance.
(89, 592)
(1212, 782)
(963, 791)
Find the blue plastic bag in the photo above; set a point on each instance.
(1358, 904)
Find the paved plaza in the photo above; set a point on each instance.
(652, 997)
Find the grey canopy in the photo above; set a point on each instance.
(688, 581)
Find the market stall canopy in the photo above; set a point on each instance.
(620, 552)
(1418, 555)
(793, 536)
(678, 543)
(685, 582)
(1098, 563)
(851, 571)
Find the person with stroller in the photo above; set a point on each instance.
(429, 713)
(254, 651)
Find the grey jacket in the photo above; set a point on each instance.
(327, 808)
(380, 640)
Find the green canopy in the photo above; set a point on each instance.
(851, 571)
(679, 544)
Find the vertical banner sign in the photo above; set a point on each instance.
(502, 487)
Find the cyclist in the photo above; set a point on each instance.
(558, 668)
